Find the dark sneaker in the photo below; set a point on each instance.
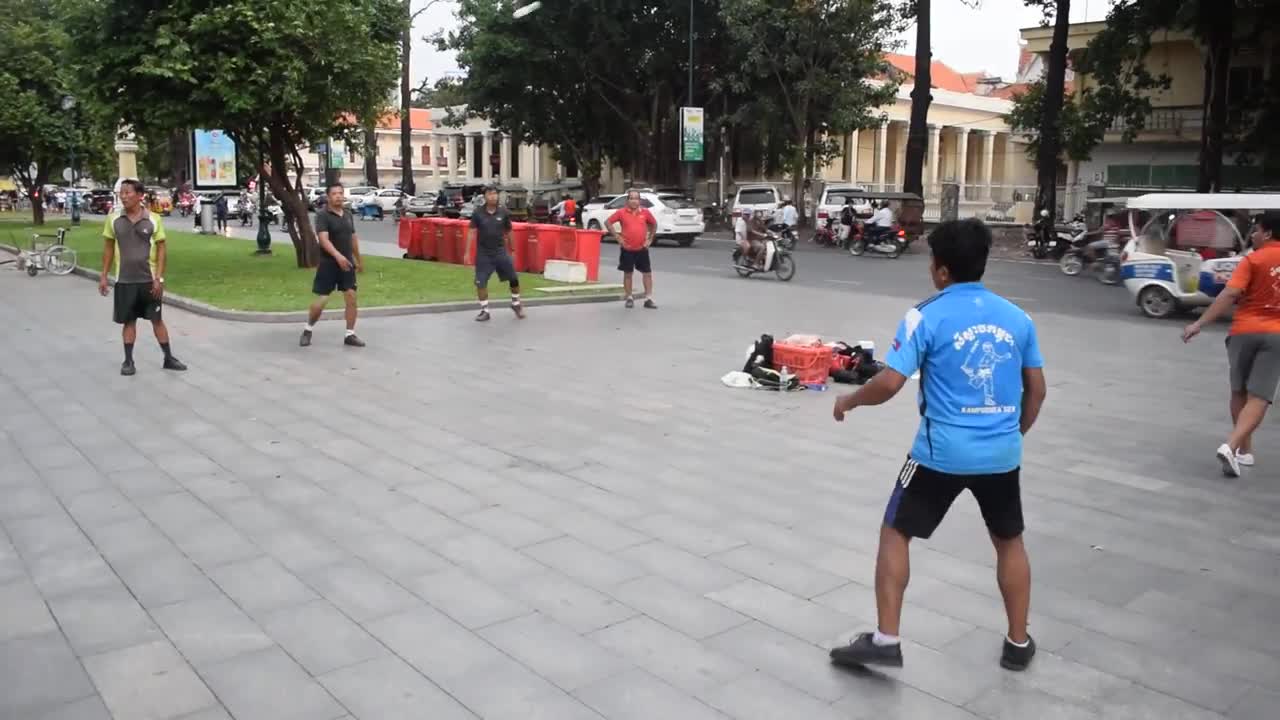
(1017, 658)
(630, 303)
(127, 368)
(305, 340)
(353, 341)
(483, 316)
(863, 652)
(518, 310)
(173, 363)
(650, 305)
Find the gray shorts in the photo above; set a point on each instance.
(1255, 364)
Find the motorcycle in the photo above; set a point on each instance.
(889, 242)
(777, 260)
(186, 204)
(1093, 256)
(786, 236)
(1044, 242)
(827, 236)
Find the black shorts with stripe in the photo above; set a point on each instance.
(922, 496)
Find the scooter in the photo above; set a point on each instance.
(786, 237)
(777, 260)
(826, 235)
(1045, 243)
(889, 242)
(1093, 256)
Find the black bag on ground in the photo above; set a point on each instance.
(761, 355)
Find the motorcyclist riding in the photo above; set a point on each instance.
(881, 223)
(750, 235)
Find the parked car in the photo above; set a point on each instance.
(750, 198)
(361, 194)
(596, 203)
(387, 199)
(421, 205)
(836, 195)
(678, 218)
(458, 196)
(100, 202)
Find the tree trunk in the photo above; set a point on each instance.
(406, 147)
(305, 248)
(917, 133)
(1217, 62)
(371, 155)
(179, 157)
(1050, 133)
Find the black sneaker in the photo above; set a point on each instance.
(630, 303)
(173, 363)
(650, 305)
(1017, 658)
(863, 652)
(518, 310)
(483, 316)
(305, 340)
(127, 368)
(353, 341)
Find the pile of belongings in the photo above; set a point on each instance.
(853, 364)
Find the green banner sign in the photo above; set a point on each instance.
(691, 134)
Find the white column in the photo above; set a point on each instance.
(900, 156)
(537, 164)
(504, 163)
(486, 152)
(988, 157)
(455, 156)
(851, 156)
(962, 157)
(935, 138)
(882, 155)
(1011, 151)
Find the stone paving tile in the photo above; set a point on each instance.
(39, 673)
(359, 591)
(680, 609)
(682, 567)
(210, 629)
(320, 637)
(804, 619)
(90, 708)
(268, 685)
(783, 573)
(508, 527)
(388, 688)
(148, 681)
(506, 690)
(670, 654)
(467, 599)
(554, 651)
(761, 697)
(261, 585)
(571, 603)
(434, 644)
(25, 612)
(102, 619)
(637, 695)
(583, 562)
(163, 578)
(487, 558)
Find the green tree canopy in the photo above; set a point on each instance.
(274, 74)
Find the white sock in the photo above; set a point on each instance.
(484, 304)
(515, 298)
(1016, 644)
(880, 639)
(310, 327)
(350, 332)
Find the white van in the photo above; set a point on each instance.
(750, 198)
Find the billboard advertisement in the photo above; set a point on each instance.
(213, 153)
(691, 134)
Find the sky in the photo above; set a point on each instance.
(967, 39)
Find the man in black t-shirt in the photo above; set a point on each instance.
(491, 227)
(338, 266)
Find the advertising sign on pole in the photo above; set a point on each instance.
(691, 134)
(213, 153)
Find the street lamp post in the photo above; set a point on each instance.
(406, 126)
(688, 166)
(264, 218)
(69, 104)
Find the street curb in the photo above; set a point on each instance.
(200, 308)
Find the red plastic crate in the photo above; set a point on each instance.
(811, 365)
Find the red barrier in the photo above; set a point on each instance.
(520, 245)
(533, 244)
(446, 248)
(457, 234)
(425, 239)
(589, 252)
(405, 234)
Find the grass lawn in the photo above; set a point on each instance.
(225, 273)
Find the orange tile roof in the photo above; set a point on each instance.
(941, 75)
(419, 119)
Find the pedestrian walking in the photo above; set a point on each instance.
(133, 242)
(220, 212)
(981, 389)
(491, 251)
(638, 230)
(1253, 343)
(336, 231)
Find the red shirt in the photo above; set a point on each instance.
(635, 226)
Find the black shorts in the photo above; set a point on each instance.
(330, 277)
(632, 260)
(487, 265)
(922, 497)
(133, 301)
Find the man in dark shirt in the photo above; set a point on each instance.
(134, 243)
(338, 266)
(491, 226)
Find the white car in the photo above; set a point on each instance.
(752, 198)
(360, 195)
(596, 203)
(388, 199)
(678, 219)
(835, 196)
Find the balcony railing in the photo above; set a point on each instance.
(1176, 120)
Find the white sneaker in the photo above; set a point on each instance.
(1230, 463)
(1245, 459)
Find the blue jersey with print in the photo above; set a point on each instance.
(970, 347)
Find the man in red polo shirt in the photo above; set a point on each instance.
(638, 229)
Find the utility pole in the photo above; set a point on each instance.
(688, 166)
(406, 126)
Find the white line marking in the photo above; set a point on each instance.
(1024, 262)
(706, 267)
(1015, 298)
(846, 282)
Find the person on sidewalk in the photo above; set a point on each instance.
(134, 242)
(336, 231)
(981, 389)
(220, 213)
(1253, 343)
(638, 230)
(491, 228)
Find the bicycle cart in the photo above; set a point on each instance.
(54, 258)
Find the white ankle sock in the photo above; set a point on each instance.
(350, 333)
(880, 639)
(309, 327)
(1016, 644)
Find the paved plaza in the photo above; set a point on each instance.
(569, 518)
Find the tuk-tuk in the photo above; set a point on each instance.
(1184, 247)
(160, 201)
(516, 199)
(908, 209)
(545, 197)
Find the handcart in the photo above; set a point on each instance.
(55, 258)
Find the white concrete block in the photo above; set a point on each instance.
(565, 271)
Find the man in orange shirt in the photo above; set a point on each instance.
(638, 228)
(1253, 344)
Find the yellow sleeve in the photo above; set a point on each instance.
(109, 227)
(159, 235)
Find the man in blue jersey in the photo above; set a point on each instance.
(981, 388)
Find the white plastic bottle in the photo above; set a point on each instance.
(784, 378)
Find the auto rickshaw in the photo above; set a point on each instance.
(908, 210)
(160, 201)
(1184, 247)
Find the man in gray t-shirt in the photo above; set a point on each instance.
(134, 242)
(491, 227)
(339, 262)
